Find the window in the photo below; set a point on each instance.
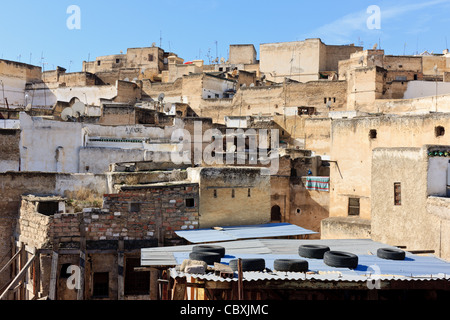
(150, 57)
(373, 134)
(135, 207)
(48, 208)
(249, 193)
(190, 203)
(233, 194)
(325, 100)
(353, 206)
(117, 60)
(398, 194)
(100, 285)
(215, 193)
(439, 131)
(136, 283)
(99, 63)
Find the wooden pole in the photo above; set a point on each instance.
(240, 281)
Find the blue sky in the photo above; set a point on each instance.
(32, 29)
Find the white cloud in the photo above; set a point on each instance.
(346, 28)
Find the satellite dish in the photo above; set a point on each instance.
(154, 44)
(361, 60)
(28, 107)
(79, 109)
(126, 79)
(252, 85)
(66, 114)
(222, 60)
(161, 97)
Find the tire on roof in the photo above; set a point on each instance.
(291, 265)
(391, 254)
(209, 248)
(312, 251)
(208, 257)
(249, 264)
(340, 259)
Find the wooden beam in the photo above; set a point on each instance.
(11, 260)
(53, 276)
(240, 281)
(82, 264)
(15, 283)
(37, 275)
(120, 271)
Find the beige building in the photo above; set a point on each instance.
(232, 196)
(409, 198)
(353, 141)
(14, 77)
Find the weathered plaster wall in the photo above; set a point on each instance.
(226, 210)
(352, 148)
(414, 223)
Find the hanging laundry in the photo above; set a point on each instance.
(318, 183)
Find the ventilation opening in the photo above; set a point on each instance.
(397, 194)
(190, 203)
(373, 134)
(48, 208)
(439, 131)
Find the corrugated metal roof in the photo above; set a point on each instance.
(414, 267)
(243, 232)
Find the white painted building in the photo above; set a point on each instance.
(70, 147)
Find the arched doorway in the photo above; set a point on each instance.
(275, 214)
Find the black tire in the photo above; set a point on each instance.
(340, 259)
(291, 265)
(312, 251)
(206, 248)
(249, 264)
(208, 257)
(391, 254)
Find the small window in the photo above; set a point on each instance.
(373, 134)
(233, 194)
(415, 77)
(100, 285)
(325, 100)
(117, 60)
(190, 203)
(150, 57)
(249, 193)
(439, 131)
(215, 193)
(135, 207)
(398, 194)
(334, 99)
(99, 63)
(353, 206)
